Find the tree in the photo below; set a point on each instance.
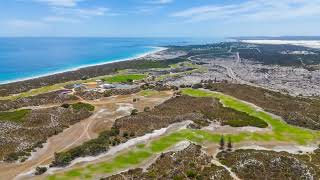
(222, 142)
(229, 144)
(40, 170)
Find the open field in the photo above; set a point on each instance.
(281, 132)
(15, 116)
(107, 110)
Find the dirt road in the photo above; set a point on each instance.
(107, 111)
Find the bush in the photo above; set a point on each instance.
(252, 122)
(134, 112)
(197, 86)
(12, 157)
(107, 93)
(178, 177)
(147, 109)
(83, 78)
(89, 148)
(114, 131)
(132, 134)
(79, 106)
(191, 174)
(40, 170)
(62, 159)
(65, 106)
(125, 134)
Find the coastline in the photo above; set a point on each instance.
(135, 57)
(306, 43)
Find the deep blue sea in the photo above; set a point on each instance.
(23, 58)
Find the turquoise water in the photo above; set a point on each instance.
(22, 58)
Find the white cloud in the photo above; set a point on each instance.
(81, 13)
(25, 24)
(60, 19)
(60, 3)
(160, 1)
(253, 10)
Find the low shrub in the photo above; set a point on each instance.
(65, 106)
(79, 106)
(40, 170)
(147, 109)
(134, 112)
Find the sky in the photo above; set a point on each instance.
(159, 18)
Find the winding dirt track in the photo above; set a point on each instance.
(106, 112)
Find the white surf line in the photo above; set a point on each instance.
(156, 49)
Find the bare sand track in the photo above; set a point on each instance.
(106, 112)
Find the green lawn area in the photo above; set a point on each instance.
(148, 93)
(78, 106)
(123, 78)
(16, 116)
(281, 131)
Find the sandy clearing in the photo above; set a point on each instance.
(103, 118)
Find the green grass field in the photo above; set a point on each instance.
(78, 106)
(15, 116)
(281, 131)
(123, 78)
(148, 93)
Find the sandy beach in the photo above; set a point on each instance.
(310, 44)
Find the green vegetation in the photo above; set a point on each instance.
(79, 106)
(89, 148)
(16, 116)
(123, 78)
(42, 90)
(148, 93)
(280, 132)
(242, 123)
(40, 170)
(14, 156)
(134, 112)
(60, 86)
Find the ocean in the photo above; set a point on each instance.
(25, 58)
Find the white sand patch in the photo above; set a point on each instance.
(293, 149)
(310, 44)
(125, 107)
(131, 143)
(216, 127)
(39, 151)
